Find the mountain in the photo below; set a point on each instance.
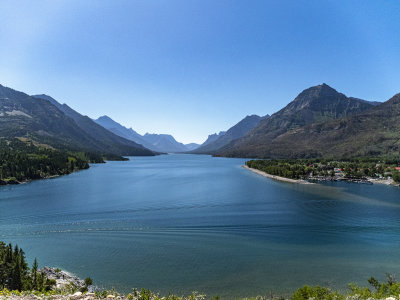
(317, 104)
(110, 142)
(122, 131)
(212, 138)
(164, 143)
(374, 132)
(38, 119)
(235, 132)
(156, 142)
(192, 146)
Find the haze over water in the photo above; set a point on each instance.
(179, 223)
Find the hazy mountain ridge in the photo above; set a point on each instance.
(155, 142)
(118, 129)
(166, 142)
(240, 129)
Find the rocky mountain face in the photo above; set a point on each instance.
(105, 140)
(214, 142)
(318, 104)
(39, 120)
(374, 132)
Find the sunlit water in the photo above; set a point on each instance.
(179, 223)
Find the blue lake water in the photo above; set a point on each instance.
(180, 223)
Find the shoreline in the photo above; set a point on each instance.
(278, 178)
(302, 181)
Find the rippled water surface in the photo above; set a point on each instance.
(181, 223)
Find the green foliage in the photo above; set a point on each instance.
(356, 168)
(88, 282)
(15, 273)
(377, 291)
(316, 293)
(22, 160)
(396, 176)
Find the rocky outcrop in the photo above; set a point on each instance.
(63, 278)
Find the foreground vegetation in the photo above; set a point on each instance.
(307, 169)
(22, 160)
(18, 280)
(15, 273)
(376, 290)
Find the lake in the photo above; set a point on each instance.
(183, 223)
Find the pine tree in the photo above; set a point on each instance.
(34, 275)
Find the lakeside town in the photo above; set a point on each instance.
(365, 171)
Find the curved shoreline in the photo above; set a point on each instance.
(275, 177)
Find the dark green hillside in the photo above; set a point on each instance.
(39, 120)
(22, 160)
(314, 105)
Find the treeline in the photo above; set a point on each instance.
(306, 168)
(23, 160)
(282, 168)
(15, 273)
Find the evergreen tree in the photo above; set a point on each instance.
(15, 273)
(34, 275)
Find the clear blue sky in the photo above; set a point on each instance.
(191, 68)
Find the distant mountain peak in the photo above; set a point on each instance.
(217, 141)
(320, 90)
(105, 118)
(153, 141)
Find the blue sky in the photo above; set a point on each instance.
(191, 68)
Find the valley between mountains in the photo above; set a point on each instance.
(319, 123)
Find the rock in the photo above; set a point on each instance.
(62, 278)
(77, 294)
(390, 298)
(110, 296)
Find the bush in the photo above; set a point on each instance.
(316, 293)
(396, 176)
